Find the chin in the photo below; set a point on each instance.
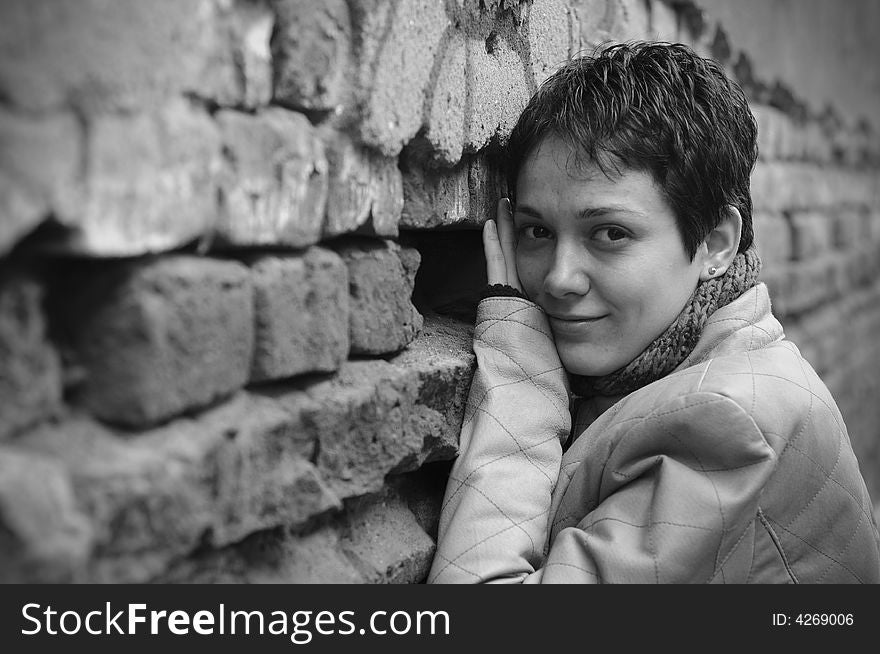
(579, 364)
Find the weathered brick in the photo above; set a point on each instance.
(376, 418)
(271, 557)
(205, 481)
(40, 159)
(549, 37)
(311, 48)
(100, 56)
(43, 535)
(442, 359)
(150, 185)
(497, 90)
(365, 189)
(386, 543)
(812, 234)
(241, 66)
(359, 422)
(849, 228)
(781, 186)
(467, 195)
(397, 45)
(434, 198)
(770, 125)
(446, 123)
(382, 318)
(159, 337)
(811, 282)
(301, 314)
(772, 238)
(603, 20)
(778, 284)
(663, 22)
(30, 375)
(274, 186)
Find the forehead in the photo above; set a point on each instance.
(556, 174)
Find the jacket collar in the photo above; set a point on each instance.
(745, 324)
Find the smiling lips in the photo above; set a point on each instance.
(572, 324)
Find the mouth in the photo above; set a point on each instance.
(569, 324)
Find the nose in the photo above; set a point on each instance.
(568, 272)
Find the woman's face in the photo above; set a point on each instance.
(602, 257)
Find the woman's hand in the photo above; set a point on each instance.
(499, 244)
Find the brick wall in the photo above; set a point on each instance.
(238, 259)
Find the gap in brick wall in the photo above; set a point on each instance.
(452, 272)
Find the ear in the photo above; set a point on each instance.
(721, 244)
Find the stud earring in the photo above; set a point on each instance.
(712, 271)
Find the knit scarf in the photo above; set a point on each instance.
(675, 344)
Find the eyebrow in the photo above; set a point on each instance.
(589, 212)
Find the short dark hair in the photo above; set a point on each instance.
(658, 108)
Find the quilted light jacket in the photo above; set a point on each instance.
(736, 467)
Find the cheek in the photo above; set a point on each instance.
(530, 271)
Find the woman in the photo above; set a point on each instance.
(637, 414)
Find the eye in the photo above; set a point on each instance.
(535, 232)
(610, 234)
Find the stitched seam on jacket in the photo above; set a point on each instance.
(848, 545)
(828, 475)
(561, 564)
(778, 545)
(562, 413)
(827, 478)
(714, 488)
(730, 553)
(528, 378)
(717, 397)
(817, 550)
(512, 525)
(486, 463)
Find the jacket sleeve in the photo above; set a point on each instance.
(665, 494)
(676, 493)
(494, 520)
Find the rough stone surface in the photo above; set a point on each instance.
(772, 238)
(207, 481)
(150, 184)
(850, 228)
(30, 375)
(396, 47)
(99, 56)
(498, 90)
(160, 337)
(467, 195)
(241, 68)
(549, 37)
(311, 48)
(301, 312)
(39, 170)
(384, 540)
(810, 283)
(382, 317)
(43, 536)
(778, 186)
(446, 122)
(365, 189)
(811, 233)
(274, 557)
(274, 185)
(664, 22)
(377, 418)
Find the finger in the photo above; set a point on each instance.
(496, 270)
(507, 239)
